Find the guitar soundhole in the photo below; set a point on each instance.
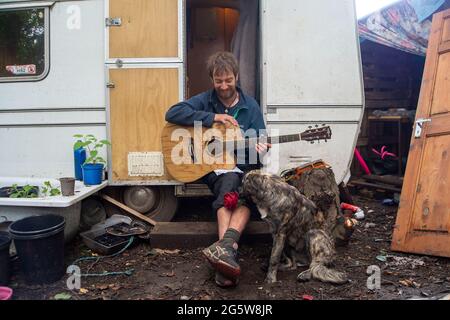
(214, 147)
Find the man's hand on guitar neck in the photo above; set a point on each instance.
(224, 118)
(262, 147)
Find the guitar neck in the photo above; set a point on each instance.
(273, 140)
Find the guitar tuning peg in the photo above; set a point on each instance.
(326, 140)
(310, 127)
(312, 142)
(317, 125)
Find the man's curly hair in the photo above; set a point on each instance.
(221, 62)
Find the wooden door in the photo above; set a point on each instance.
(138, 103)
(423, 220)
(146, 76)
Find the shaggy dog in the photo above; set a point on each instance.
(296, 227)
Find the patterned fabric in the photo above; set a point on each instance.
(399, 26)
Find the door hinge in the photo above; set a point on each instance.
(113, 22)
(110, 85)
(419, 126)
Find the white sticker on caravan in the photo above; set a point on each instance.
(22, 69)
(145, 164)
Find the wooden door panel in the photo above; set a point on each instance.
(446, 32)
(149, 29)
(441, 96)
(138, 104)
(423, 219)
(431, 210)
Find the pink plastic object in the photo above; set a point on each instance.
(362, 162)
(5, 293)
(383, 153)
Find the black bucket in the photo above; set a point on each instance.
(39, 242)
(5, 242)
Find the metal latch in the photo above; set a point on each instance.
(113, 22)
(419, 126)
(110, 85)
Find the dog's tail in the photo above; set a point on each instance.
(320, 272)
(321, 250)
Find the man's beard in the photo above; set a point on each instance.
(225, 95)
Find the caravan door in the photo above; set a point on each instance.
(144, 62)
(312, 76)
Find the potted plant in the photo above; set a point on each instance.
(94, 164)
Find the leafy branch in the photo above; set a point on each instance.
(92, 145)
(26, 191)
(48, 189)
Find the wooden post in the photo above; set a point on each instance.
(129, 210)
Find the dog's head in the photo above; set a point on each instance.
(255, 180)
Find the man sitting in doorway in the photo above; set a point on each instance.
(224, 103)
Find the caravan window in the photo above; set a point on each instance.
(23, 44)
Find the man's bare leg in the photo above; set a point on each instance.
(223, 221)
(237, 220)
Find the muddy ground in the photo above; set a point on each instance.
(184, 274)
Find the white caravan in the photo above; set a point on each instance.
(113, 67)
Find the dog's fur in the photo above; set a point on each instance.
(296, 226)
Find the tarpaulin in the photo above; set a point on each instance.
(425, 8)
(404, 25)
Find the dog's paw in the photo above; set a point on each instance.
(304, 276)
(271, 279)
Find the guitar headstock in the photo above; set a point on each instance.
(316, 133)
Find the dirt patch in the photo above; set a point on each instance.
(184, 274)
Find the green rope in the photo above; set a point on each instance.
(128, 272)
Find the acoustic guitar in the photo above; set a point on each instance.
(192, 152)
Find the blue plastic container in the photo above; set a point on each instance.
(92, 173)
(79, 157)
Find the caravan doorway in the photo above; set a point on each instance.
(222, 25)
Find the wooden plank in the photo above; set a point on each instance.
(172, 235)
(389, 118)
(138, 104)
(393, 180)
(129, 210)
(374, 185)
(402, 83)
(149, 29)
(389, 95)
(386, 104)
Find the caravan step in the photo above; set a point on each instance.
(190, 235)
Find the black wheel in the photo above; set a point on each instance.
(158, 203)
